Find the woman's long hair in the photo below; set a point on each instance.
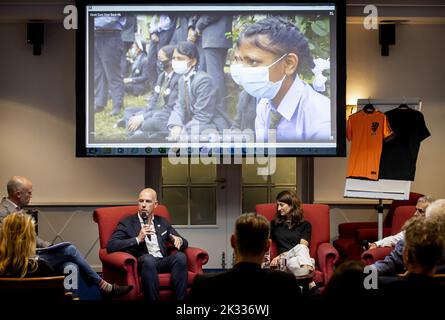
(17, 245)
(296, 215)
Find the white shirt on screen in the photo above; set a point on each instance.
(305, 115)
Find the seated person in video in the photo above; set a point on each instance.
(247, 282)
(292, 234)
(273, 53)
(137, 83)
(198, 109)
(151, 123)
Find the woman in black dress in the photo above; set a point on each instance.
(292, 234)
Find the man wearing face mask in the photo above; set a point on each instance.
(137, 83)
(273, 53)
(151, 123)
(198, 108)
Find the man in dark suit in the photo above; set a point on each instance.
(146, 236)
(247, 282)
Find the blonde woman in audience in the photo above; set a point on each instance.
(18, 248)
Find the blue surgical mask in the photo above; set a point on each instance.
(255, 80)
(235, 70)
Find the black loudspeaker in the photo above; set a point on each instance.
(34, 36)
(387, 37)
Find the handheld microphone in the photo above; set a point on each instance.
(145, 220)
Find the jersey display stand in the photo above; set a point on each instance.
(382, 188)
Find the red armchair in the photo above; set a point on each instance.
(401, 215)
(122, 268)
(320, 249)
(350, 237)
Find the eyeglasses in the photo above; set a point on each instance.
(420, 211)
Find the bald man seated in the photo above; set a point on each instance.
(145, 236)
(19, 195)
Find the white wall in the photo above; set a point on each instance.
(37, 125)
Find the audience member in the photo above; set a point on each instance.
(391, 241)
(424, 248)
(247, 281)
(393, 263)
(18, 248)
(19, 194)
(345, 286)
(146, 236)
(292, 234)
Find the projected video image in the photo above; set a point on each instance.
(163, 78)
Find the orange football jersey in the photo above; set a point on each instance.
(367, 132)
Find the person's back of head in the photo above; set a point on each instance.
(424, 243)
(17, 245)
(437, 208)
(425, 199)
(346, 284)
(251, 236)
